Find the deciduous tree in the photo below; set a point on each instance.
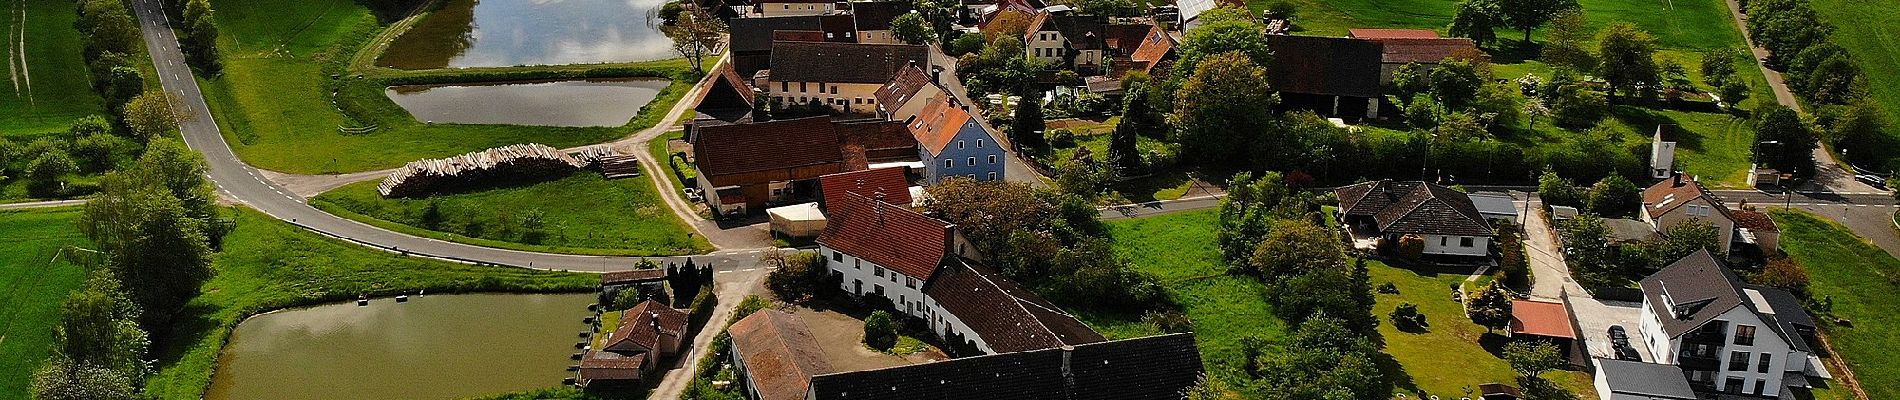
(1629, 59)
(1786, 142)
(1564, 44)
(1477, 20)
(1615, 196)
(150, 115)
(1532, 358)
(911, 28)
(1490, 307)
(1218, 110)
(694, 34)
(1527, 15)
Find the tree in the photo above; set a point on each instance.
(150, 115)
(148, 236)
(1111, 8)
(107, 26)
(94, 152)
(200, 39)
(1407, 317)
(1734, 93)
(1587, 251)
(1490, 307)
(1577, 107)
(1678, 241)
(1028, 124)
(966, 44)
(1294, 246)
(1615, 196)
(1218, 110)
(1564, 44)
(1860, 132)
(1137, 117)
(694, 34)
(1629, 59)
(46, 174)
(1783, 273)
(1532, 358)
(1478, 20)
(1410, 80)
(795, 276)
(1527, 15)
(1718, 67)
(1786, 142)
(99, 327)
(1557, 191)
(1220, 37)
(1455, 82)
(181, 172)
(989, 213)
(1835, 80)
(121, 85)
(911, 28)
(1246, 214)
(880, 330)
(61, 379)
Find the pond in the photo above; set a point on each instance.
(433, 347)
(561, 103)
(501, 33)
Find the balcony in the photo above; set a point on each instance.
(1690, 361)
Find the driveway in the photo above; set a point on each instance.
(1551, 275)
(1595, 317)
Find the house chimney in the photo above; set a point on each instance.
(1677, 176)
(936, 75)
(950, 240)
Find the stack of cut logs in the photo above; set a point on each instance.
(518, 161)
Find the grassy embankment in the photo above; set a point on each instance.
(268, 264)
(582, 214)
(1712, 145)
(50, 89)
(1865, 29)
(34, 280)
(290, 84)
(1860, 280)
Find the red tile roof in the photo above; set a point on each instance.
(938, 124)
(1153, 49)
(766, 146)
(1670, 194)
(1008, 317)
(600, 365)
(1426, 51)
(1377, 33)
(780, 354)
(887, 183)
(1754, 221)
(889, 235)
(1541, 318)
(643, 325)
(909, 80)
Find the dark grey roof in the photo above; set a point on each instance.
(755, 34)
(1644, 379)
(877, 15)
(1691, 292)
(1325, 65)
(1414, 207)
(1788, 319)
(1628, 230)
(843, 62)
(1156, 367)
(1368, 198)
(1495, 203)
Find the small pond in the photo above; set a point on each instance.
(433, 347)
(501, 33)
(562, 103)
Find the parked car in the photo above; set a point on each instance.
(1871, 179)
(1618, 336)
(1620, 343)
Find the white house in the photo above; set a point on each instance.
(1066, 40)
(1679, 200)
(1662, 153)
(1727, 336)
(1446, 219)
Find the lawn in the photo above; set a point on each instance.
(680, 171)
(50, 89)
(1860, 279)
(1452, 354)
(268, 264)
(282, 97)
(582, 213)
(1167, 184)
(1180, 249)
(33, 282)
(1865, 28)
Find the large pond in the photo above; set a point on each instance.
(562, 103)
(500, 33)
(433, 347)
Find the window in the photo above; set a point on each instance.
(1738, 361)
(893, 276)
(910, 282)
(857, 264)
(788, 6)
(1745, 335)
(879, 271)
(979, 143)
(959, 145)
(1464, 242)
(834, 89)
(1764, 364)
(992, 159)
(1760, 384)
(878, 289)
(801, 87)
(992, 176)
(827, 35)
(784, 86)
(837, 256)
(971, 161)
(949, 163)
(1734, 385)
(1444, 241)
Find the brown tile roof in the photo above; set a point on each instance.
(728, 90)
(874, 141)
(1427, 51)
(1670, 194)
(887, 183)
(798, 36)
(1155, 367)
(1154, 48)
(889, 235)
(1006, 316)
(600, 365)
(903, 87)
(1377, 33)
(842, 62)
(1368, 198)
(1325, 66)
(643, 325)
(1754, 221)
(1541, 318)
(1413, 207)
(766, 146)
(780, 354)
(633, 276)
(877, 15)
(755, 34)
(938, 124)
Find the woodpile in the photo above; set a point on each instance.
(486, 167)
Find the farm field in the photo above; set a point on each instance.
(268, 264)
(1859, 279)
(33, 283)
(46, 85)
(281, 110)
(580, 214)
(1865, 28)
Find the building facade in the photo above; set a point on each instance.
(952, 143)
(1727, 336)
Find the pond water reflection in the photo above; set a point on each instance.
(560, 103)
(500, 33)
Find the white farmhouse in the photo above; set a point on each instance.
(1727, 337)
(1444, 218)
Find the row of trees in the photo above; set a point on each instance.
(155, 224)
(1597, 260)
(1826, 75)
(1047, 240)
(1480, 19)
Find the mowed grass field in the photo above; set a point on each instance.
(269, 264)
(1181, 250)
(1451, 354)
(1861, 279)
(583, 213)
(1867, 29)
(45, 85)
(276, 104)
(32, 286)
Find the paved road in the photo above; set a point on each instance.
(1868, 214)
(41, 204)
(1831, 175)
(242, 183)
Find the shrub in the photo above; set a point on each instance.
(1062, 137)
(1407, 317)
(1411, 247)
(46, 174)
(880, 331)
(1169, 321)
(797, 276)
(1388, 288)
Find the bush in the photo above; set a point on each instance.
(1169, 321)
(47, 173)
(1388, 288)
(1062, 137)
(880, 331)
(1411, 247)
(797, 277)
(1578, 108)
(1407, 317)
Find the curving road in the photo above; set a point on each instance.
(240, 182)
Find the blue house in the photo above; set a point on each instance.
(951, 143)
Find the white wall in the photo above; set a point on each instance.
(1766, 341)
(1453, 245)
(942, 319)
(855, 269)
